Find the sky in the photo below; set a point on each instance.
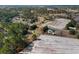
(39, 2)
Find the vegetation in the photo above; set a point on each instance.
(7, 15)
(72, 31)
(13, 38)
(13, 35)
(33, 27)
(45, 29)
(71, 24)
(17, 25)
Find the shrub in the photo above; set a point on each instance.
(71, 24)
(33, 27)
(72, 31)
(45, 29)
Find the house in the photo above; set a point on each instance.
(54, 44)
(18, 19)
(57, 25)
(76, 19)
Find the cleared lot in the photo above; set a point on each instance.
(54, 44)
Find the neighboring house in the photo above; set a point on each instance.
(57, 25)
(19, 19)
(76, 19)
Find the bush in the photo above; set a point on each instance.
(45, 29)
(72, 31)
(71, 24)
(33, 27)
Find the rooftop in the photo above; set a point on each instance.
(54, 44)
(57, 23)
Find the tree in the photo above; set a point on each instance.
(7, 15)
(71, 24)
(33, 27)
(33, 19)
(14, 39)
(1, 39)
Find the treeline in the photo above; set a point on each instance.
(7, 15)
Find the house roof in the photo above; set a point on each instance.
(49, 44)
(57, 23)
(55, 44)
(76, 18)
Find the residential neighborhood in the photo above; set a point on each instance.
(30, 29)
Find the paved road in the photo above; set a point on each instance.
(55, 45)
